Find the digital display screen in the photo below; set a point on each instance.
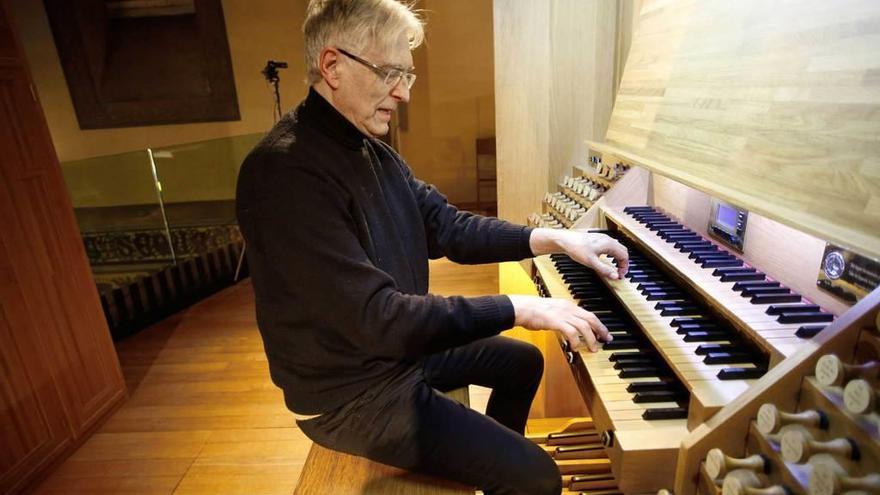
(725, 218)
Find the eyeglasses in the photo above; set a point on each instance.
(390, 76)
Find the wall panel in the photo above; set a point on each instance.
(58, 367)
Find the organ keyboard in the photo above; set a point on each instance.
(768, 106)
(696, 326)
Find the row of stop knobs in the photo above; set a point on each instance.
(795, 435)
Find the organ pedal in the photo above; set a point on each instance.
(581, 459)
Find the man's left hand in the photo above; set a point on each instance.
(583, 247)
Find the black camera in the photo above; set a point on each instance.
(270, 71)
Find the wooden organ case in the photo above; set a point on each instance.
(731, 370)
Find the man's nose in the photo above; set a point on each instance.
(400, 91)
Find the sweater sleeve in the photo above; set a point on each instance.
(310, 267)
(462, 236)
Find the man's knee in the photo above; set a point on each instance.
(543, 477)
(530, 361)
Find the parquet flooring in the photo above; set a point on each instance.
(203, 416)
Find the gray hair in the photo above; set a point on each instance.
(354, 25)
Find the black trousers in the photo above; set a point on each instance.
(406, 423)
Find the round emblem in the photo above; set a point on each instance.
(834, 265)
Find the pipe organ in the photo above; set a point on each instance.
(743, 151)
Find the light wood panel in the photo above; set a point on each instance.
(554, 79)
(60, 375)
(522, 101)
(771, 105)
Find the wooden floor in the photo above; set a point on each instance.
(203, 416)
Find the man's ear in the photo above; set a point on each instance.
(328, 64)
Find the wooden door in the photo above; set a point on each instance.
(59, 374)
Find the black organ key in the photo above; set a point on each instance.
(741, 373)
(680, 235)
(727, 358)
(701, 257)
(792, 308)
(739, 277)
(713, 257)
(625, 355)
(775, 298)
(809, 331)
(623, 343)
(668, 229)
(730, 270)
(648, 219)
(704, 336)
(685, 328)
(704, 252)
(662, 224)
(705, 349)
(679, 311)
(639, 372)
(689, 248)
(665, 296)
(652, 274)
(757, 291)
(615, 325)
(720, 263)
(622, 364)
(755, 284)
(675, 304)
(650, 396)
(817, 317)
(662, 290)
(665, 413)
(650, 285)
(659, 385)
(638, 209)
(687, 319)
(691, 245)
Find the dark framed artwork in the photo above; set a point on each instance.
(144, 62)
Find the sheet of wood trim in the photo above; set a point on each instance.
(780, 117)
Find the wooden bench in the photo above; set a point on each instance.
(327, 471)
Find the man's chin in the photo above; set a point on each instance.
(380, 130)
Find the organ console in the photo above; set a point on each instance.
(728, 360)
(718, 464)
(798, 446)
(770, 419)
(860, 397)
(831, 370)
(829, 478)
(743, 482)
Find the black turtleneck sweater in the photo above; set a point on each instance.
(339, 233)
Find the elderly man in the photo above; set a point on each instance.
(339, 234)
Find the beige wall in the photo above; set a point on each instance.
(257, 31)
(452, 102)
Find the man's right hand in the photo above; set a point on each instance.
(576, 324)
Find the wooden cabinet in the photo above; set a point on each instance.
(59, 374)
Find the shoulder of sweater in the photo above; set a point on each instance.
(398, 160)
